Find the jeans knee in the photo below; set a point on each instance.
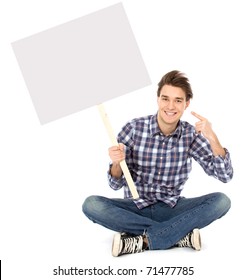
(223, 203)
(88, 204)
(92, 206)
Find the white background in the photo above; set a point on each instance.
(47, 171)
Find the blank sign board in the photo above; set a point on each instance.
(81, 63)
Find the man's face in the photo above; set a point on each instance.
(171, 105)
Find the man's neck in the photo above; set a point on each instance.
(168, 130)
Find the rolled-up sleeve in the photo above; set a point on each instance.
(223, 167)
(115, 183)
(217, 166)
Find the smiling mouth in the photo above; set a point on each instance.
(170, 114)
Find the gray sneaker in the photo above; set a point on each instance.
(127, 244)
(192, 240)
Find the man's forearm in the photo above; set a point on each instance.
(116, 170)
(217, 149)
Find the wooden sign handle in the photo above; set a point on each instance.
(123, 163)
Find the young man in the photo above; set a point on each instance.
(159, 150)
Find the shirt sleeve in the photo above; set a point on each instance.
(217, 166)
(115, 183)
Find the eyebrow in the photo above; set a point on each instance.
(177, 98)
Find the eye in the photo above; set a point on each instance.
(179, 101)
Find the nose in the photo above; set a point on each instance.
(170, 104)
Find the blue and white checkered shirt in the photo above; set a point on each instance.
(160, 165)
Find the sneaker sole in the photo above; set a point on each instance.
(116, 245)
(196, 240)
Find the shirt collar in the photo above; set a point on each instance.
(155, 129)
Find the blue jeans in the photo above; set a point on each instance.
(164, 226)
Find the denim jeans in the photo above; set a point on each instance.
(164, 226)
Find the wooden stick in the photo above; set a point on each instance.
(123, 163)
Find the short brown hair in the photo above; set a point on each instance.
(176, 78)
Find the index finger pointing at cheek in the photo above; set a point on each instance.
(201, 118)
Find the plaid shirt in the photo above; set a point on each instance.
(160, 165)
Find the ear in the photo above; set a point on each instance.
(187, 104)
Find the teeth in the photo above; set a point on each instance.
(170, 113)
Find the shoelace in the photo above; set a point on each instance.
(133, 245)
(185, 242)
